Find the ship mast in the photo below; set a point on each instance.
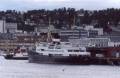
(49, 36)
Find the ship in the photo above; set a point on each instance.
(17, 54)
(58, 52)
(53, 50)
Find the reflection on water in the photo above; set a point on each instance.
(23, 69)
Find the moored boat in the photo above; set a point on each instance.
(18, 54)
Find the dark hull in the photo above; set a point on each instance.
(15, 58)
(37, 58)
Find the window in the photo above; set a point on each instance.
(51, 47)
(81, 50)
(40, 53)
(50, 55)
(67, 43)
(44, 45)
(42, 50)
(76, 50)
(69, 50)
(58, 47)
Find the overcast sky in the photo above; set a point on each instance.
(51, 4)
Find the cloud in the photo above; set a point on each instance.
(36, 1)
(51, 4)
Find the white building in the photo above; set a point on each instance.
(100, 42)
(91, 31)
(11, 27)
(99, 30)
(7, 27)
(70, 34)
(91, 42)
(88, 27)
(112, 44)
(82, 42)
(44, 28)
(2, 26)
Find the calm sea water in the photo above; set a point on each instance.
(23, 69)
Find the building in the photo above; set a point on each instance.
(70, 34)
(83, 33)
(10, 27)
(92, 33)
(7, 27)
(82, 42)
(6, 36)
(45, 28)
(91, 42)
(99, 42)
(2, 26)
(91, 28)
(114, 39)
(88, 31)
(78, 33)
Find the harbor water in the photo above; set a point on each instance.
(23, 69)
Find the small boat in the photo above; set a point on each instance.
(58, 52)
(18, 54)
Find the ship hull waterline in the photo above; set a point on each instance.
(35, 57)
(11, 57)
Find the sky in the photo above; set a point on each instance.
(52, 4)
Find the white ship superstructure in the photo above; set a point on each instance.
(57, 51)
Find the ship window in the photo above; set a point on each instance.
(42, 50)
(58, 43)
(69, 50)
(51, 47)
(58, 47)
(76, 50)
(81, 50)
(44, 45)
